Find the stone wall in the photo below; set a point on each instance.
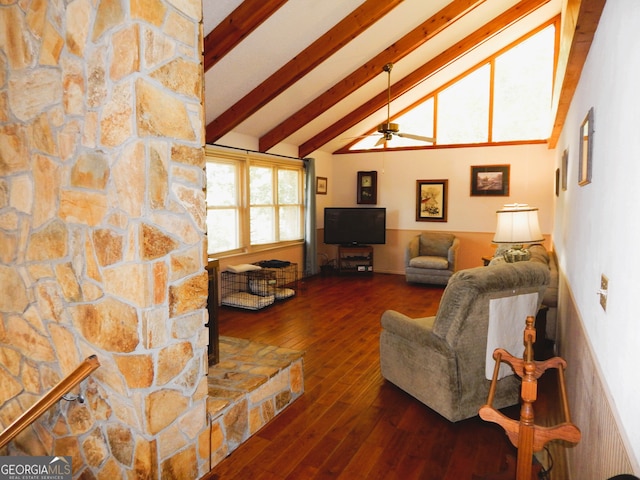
(102, 221)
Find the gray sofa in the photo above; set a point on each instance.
(441, 360)
(431, 257)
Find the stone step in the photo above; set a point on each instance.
(250, 385)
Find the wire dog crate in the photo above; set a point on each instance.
(256, 289)
(286, 273)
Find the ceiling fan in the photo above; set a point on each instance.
(388, 129)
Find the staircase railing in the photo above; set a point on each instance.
(63, 387)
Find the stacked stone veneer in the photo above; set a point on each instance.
(250, 385)
(102, 232)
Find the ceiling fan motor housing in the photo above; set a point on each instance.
(388, 127)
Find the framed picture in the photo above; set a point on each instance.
(557, 182)
(586, 149)
(565, 168)
(321, 185)
(368, 187)
(490, 180)
(431, 200)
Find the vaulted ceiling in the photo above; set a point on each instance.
(310, 73)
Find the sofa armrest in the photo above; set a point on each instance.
(417, 330)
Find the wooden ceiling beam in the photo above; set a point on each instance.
(484, 33)
(580, 20)
(372, 68)
(232, 30)
(342, 33)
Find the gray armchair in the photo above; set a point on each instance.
(442, 360)
(431, 257)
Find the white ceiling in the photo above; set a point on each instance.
(300, 22)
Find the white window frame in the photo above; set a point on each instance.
(244, 161)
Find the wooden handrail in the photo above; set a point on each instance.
(524, 434)
(63, 387)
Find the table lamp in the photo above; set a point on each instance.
(517, 226)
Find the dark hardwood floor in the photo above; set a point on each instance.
(350, 423)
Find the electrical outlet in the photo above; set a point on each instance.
(604, 291)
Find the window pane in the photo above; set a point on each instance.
(522, 89)
(261, 185)
(262, 225)
(288, 190)
(290, 223)
(417, 121)
(222, 230)
(367, 143)
(222, 184)
(463, 109)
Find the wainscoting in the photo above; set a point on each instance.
(603, 450)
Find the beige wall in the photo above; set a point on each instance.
(471, 218)
(102, 233)
(531, 171)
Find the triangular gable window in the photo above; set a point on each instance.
(519, 79)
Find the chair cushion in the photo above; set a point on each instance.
(434, 263)
(435, 244)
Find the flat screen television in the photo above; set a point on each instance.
(355, 226)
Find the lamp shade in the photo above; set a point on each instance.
(518, 224)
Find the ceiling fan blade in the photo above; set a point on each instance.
(416, 137)
(359, 136)
(381, 141)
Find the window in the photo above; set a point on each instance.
(463, 109)
(505, 98)
(252, 202)
(223, 205)
(523, 88)
(420, 120)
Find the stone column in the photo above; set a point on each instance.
(102, 232)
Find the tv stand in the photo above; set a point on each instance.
(355, 259)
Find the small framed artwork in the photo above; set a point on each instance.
(368, 187)
(565, 168)
(431, 200)
(321, 185)
(490, 180)
(557, 182)
(586, 149)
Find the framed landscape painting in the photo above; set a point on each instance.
(490, 180)
(431, 200)
(321, 185)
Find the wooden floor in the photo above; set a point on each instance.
(350, 423)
